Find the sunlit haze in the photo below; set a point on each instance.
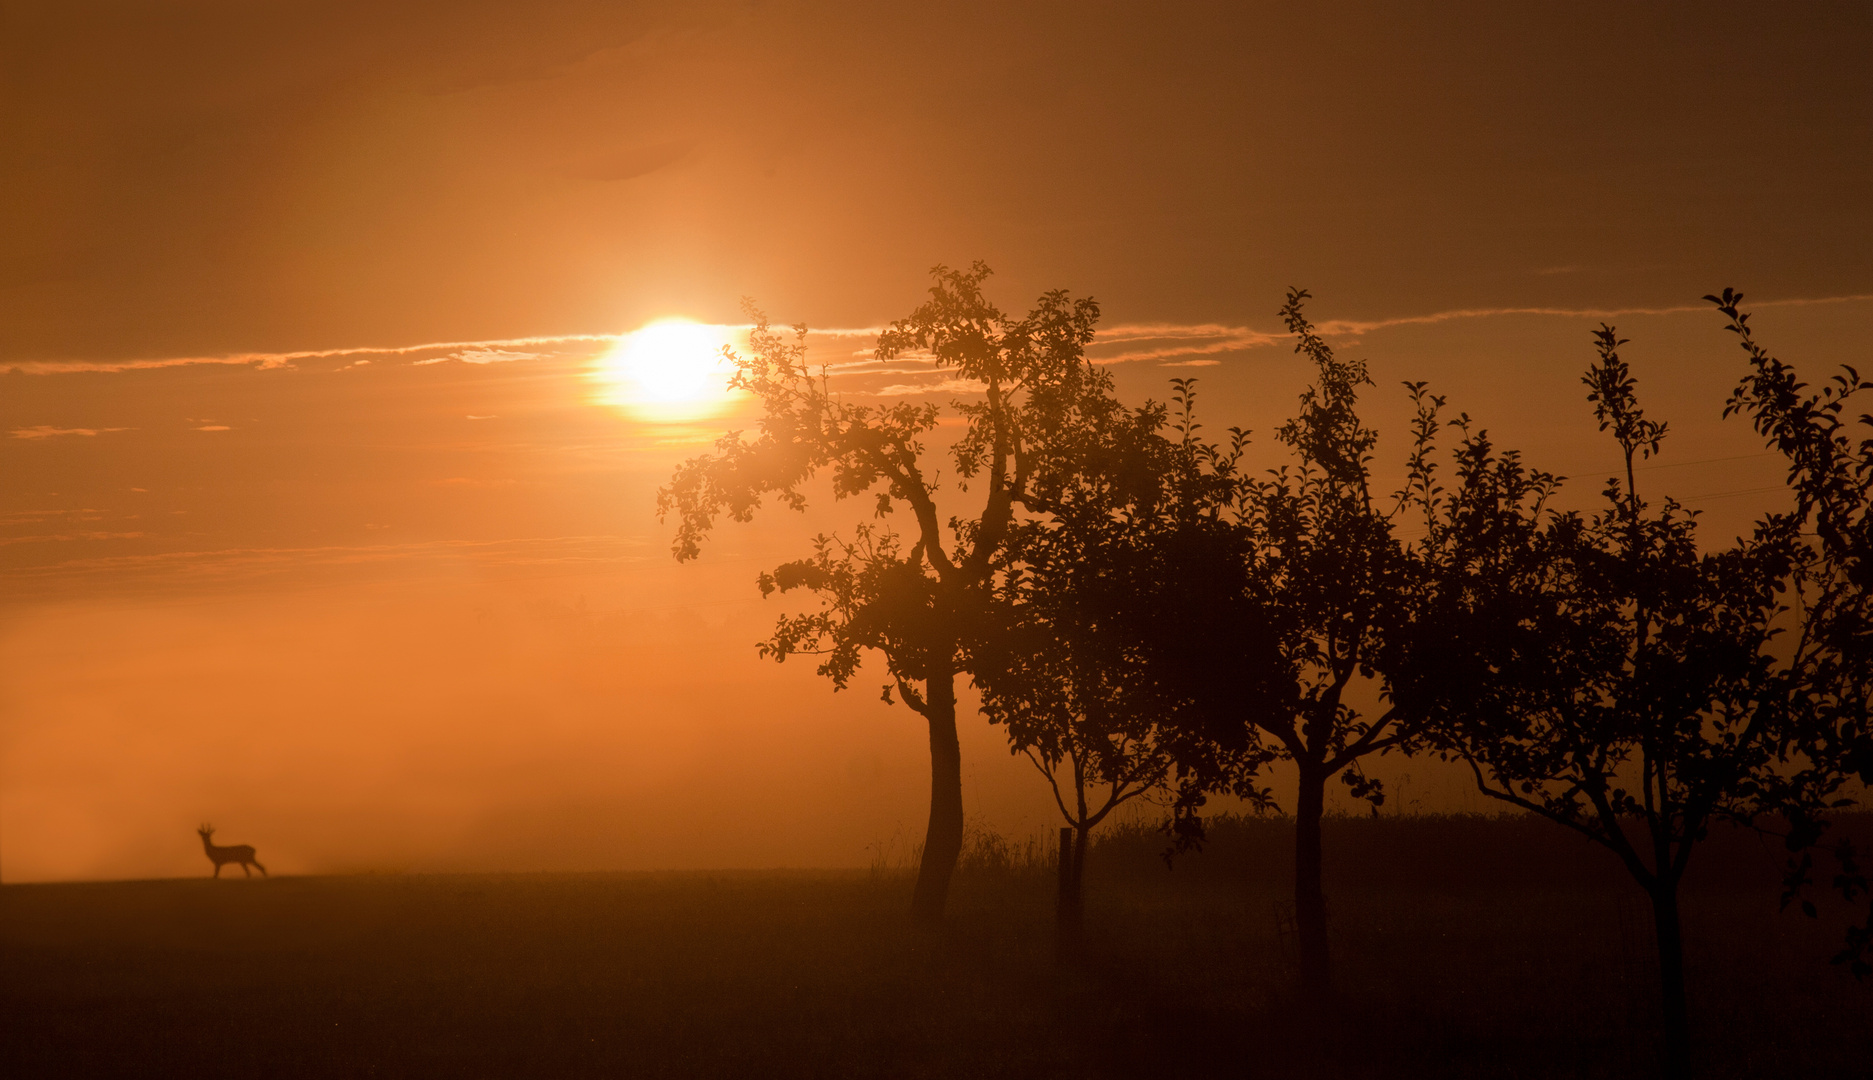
(833, 538)
(344, 348)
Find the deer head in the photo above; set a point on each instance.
(206, 830)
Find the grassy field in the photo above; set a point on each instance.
(1465, 949)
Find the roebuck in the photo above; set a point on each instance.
(237, 853)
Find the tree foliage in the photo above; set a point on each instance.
(918, 597)
(1596, 669)
(1827, 682)
(1272, 600)
(1143, 609)
(1611, 674)
(1076, 693)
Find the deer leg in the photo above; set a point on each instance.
(245, 872)
(217, 869)
(263, 870)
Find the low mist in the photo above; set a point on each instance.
(474, 726)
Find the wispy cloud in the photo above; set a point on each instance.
(1187, 344)
(65, 538)
(1163, 342)
(483, 356)
(47, 431)
(939, 386)
(1177, 344)
(265, 360)
(1355, 327)
(26, 516)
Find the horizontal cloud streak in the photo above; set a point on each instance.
(47, 431)
(1131, 343)
(1355, 327)
(481, 356)
(1167, 341)
(265, 360)
(60, 538)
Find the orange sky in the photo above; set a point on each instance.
(311, 599)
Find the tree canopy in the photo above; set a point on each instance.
(1145, 609)
(919, 597)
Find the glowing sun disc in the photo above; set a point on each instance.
(670, 371)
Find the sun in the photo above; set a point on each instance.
(670, 371)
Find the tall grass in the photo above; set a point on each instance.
(1434, 852)
(986, 853)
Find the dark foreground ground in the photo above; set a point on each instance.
(1465, 949)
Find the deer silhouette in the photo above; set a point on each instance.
(237, 853)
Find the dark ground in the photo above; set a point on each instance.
(1466, 948)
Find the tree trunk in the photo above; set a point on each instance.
(943, 840)
(1077, 908)
(1310, 899)
(1066, 875)
(1067, 920)
(1669, 934)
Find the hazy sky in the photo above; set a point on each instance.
(413, 609)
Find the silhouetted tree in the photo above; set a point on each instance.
(1828, 679)
(1269, 598)
(1077, 694)
(1078, 708)
(1605, 673)
(917, 598)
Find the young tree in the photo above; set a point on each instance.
(917, 598)
(1077, 707)
(1828, 682)
(1607, 674)
(1077, 696)
(1268, 614)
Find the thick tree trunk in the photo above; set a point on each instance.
(943, 841)
(1669, 934)
(1310, 899)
